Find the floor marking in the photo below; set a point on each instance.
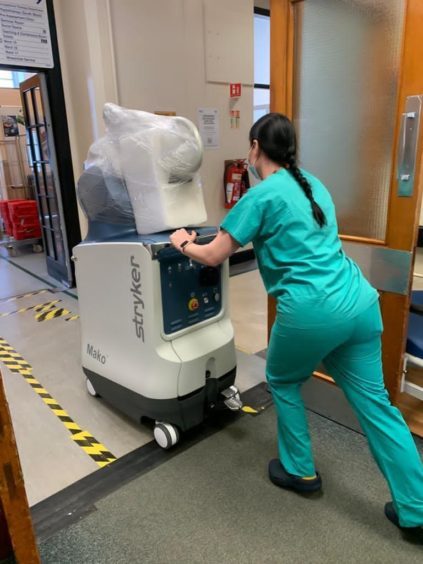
(40, 307)
(52, 314)
(89, 444)
(45, 312)
(72, 318)
(21, 296)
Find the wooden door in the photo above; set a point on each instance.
(387, 255)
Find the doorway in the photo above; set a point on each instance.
(46, 177)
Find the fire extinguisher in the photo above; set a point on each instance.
(234, 182)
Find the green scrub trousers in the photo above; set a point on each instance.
(351, 351)
(327, 312)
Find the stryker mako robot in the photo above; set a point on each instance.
(157, 340)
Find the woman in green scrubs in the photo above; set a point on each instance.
(327, 313)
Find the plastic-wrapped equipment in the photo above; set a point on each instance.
(153, 159)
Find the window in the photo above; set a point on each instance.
(6, 79)
(12, 79)
(261, 100)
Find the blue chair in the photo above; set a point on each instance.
(414, 348)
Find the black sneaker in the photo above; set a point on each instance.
(414, 533)
(280, 477)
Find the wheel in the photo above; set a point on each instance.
(166, 435)
(37, 248)
(91, 389)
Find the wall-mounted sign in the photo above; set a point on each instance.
(235, 90)
(25, 34)
(208, 126)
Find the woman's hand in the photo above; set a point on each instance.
(181, 235)
(212, 253)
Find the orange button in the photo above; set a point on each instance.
(193, 304)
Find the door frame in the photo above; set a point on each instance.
(403, 213)
(59, 126)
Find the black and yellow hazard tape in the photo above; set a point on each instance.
(89, 444)
(28, 295)
(72, 318)
(38, 308)
(55, 313)
(45, 312)
(52, 314)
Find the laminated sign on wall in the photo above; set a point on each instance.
(208, 119)
(25, 34)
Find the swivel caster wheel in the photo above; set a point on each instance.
(166, 435)
(91, 389)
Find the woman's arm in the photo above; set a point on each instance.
(211, 254)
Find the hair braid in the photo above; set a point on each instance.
(276, 137)
(293, 169)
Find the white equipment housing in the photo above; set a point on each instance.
(157, 340)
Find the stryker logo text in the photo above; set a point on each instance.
(138, 302)
(95, 354)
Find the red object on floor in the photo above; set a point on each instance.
(19, 209)
(26, 232)
(4, 213)
(21, 219)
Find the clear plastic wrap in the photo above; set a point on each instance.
(101, 190)
(156, 159)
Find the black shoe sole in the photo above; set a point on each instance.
(280, 477)
(411, 534)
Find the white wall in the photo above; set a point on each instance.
(151, 56)
(160, 61)
(83, 30)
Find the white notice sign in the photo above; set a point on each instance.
(25, 34)
(208, 119)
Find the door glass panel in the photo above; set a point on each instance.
(51, 190)
(59, 247)
(43, 142)
(38, 106)
(44, 212)
(347, 62)
(35, 144)
(53, 208)
(41, 185)
(49, 243)
(29, 108)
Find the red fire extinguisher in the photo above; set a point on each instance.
(235, 182)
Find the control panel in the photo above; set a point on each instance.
(191, 292)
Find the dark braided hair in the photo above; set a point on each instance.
(276, 137)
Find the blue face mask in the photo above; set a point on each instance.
(254, 173)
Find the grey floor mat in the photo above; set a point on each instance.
(213, 504)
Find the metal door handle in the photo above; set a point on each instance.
(408, 139)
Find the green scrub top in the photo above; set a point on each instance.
(302, 265)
